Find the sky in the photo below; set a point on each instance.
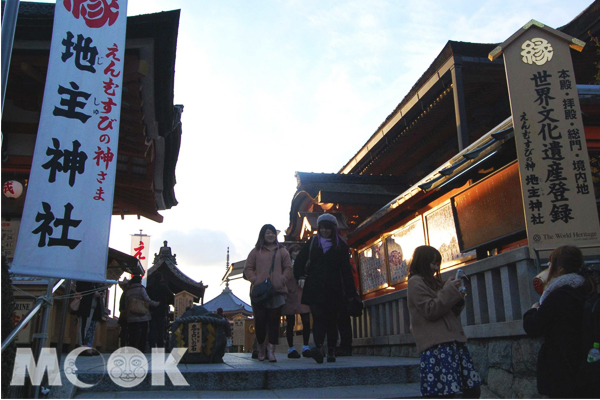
(273, 87)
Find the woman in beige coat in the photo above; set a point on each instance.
(268, 251)
(137, 324)
(434, 307)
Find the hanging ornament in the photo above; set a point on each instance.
(12, 189)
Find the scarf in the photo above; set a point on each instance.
(325, 244)
(574, 280)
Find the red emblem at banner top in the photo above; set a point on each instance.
(94, 12)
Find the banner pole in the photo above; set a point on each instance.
(44, 333)
(63, 319)
(9, 25)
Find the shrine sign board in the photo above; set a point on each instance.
(554, 167)
(183, 301)
(22, 308)
(195, 337)
(66, 218)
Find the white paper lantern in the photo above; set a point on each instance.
(12, 189)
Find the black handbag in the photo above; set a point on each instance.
(355, 306)
(264, 291)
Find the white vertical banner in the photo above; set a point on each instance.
(66, 220)
(140, 248)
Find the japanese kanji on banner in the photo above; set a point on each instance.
(140, 248)
(66, 220)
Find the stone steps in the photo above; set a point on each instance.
(389, 391)
(242, 377)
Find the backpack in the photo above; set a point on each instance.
(589, 372)
(591, 320)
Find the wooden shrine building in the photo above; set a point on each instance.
(443, 170)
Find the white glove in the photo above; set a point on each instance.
(301, 283)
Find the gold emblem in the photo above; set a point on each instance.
(537, 50)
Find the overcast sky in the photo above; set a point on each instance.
(274, 87)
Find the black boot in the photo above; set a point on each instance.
(330, 354)
(317, 354)
(343, 351)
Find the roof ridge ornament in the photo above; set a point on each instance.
(165, 252)
(532, 23)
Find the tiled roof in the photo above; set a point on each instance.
(228, 302)
(166, 261)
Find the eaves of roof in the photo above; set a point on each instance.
(467, 159)
(187, 283)
(235, 271)
(304, 178)
(586, 24)
(485, 147)
(469, 52)
(119, 262)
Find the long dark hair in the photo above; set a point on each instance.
(564, 260)
(420, 265)
(568, 260)
(261, 236)
(336, 238)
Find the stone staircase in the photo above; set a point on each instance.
(239, 376)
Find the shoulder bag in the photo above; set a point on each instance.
(354, 305)
(136, 306)
(264, 291)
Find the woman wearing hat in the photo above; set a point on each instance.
(323, 269)
(267, 252)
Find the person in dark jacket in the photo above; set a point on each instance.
(122, 321)
(91, 310)
(294, 306)
(159, 291)
(324, 272)
(558, 317)
(227, 326)
(344, 324)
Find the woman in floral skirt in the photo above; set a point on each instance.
(434, 307)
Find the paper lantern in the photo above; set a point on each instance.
(12, 189)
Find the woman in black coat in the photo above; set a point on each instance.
(91, 310)
(558, 317)
(324, 272)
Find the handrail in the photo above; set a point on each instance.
(37, 307)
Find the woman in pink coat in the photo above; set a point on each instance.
(267, 252)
